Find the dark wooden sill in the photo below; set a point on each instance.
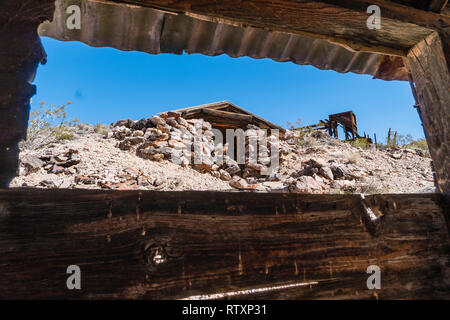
(170, 245)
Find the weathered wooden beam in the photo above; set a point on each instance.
(391, 68)
(396, 11)
(437, 5)
(342, 22)
(227, 114)
(20, 53)
(431, 75)
(154, 245)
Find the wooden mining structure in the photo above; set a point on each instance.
(348, 122)
(180, 244)
(345, 119)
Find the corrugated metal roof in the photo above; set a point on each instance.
(127, 27)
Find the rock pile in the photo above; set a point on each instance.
(52, 163)
(193, 143)
(140, 155)
(317, 175)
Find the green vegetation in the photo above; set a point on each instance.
(48, 124)
(353, 157)
(393, 140)
(360, 143)
(406, 141)
(297, 124)
(420, 144)
(306, 141)
(101, 128)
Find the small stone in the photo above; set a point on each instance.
(158, 143)
(183, 122)
(275, 186)
(215, 174)
(315, 163)
(157, 121)
(233, 169)
(326, 172)
(176, 144)
(345, 185)
(224, 175)
(31, 163)
(84, 180)
(65, 184)
(170, 114)
(397, 155)
(56, 169)
(158, 156)
(132, 171)
(124, 123)
(47, 184)
(305, 184)
(172, 122)
(138, 133)
(238, 182)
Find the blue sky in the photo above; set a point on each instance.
(107, 84)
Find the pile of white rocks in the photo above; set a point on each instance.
(194, 143)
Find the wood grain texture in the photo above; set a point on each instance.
(431, 74)
(214, 242)
(20, 53)
(342, 22)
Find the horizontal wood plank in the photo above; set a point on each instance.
(217, 242)
(342, 22)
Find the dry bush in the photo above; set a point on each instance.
(420, 144)
(353, 157)
(101, 128)
(359, 143)
(306, 141)
(48, 124)
(372, 187)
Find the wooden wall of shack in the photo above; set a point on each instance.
(225, 115)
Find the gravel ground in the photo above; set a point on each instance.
(101, 164)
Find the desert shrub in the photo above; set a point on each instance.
(101, 128)
(306, 141)
(404, 140)
(420, 144)
(353, 157)
(334, 142)
(394, 139)
(304, 135)
(83, 127)
(65, 135)
(372, 187)
(359, 143)
(337, 191)
(295, 125)
(48, 124)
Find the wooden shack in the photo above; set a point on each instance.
(226, 115)
(138, 245)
